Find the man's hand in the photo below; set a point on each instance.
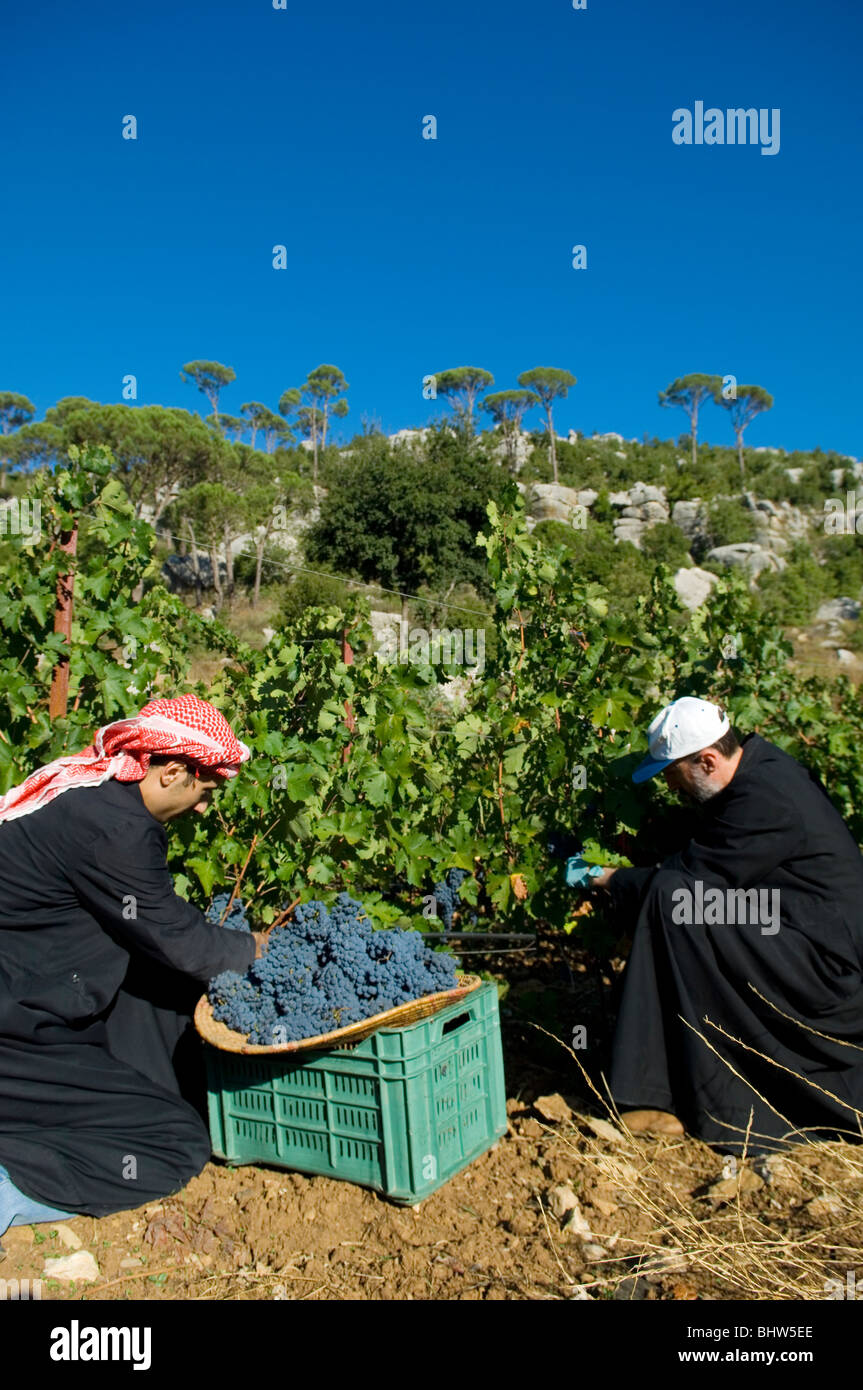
(601, 880)
(260, 943)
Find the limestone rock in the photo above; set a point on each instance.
(553, 1108)
(562, 1200)
(825, 1207)
(408, 437)
(654, 511)
(81, 1265)
(726, 1189)
(603, 1130)
(746, 555)
(694, 586)
(552, 502)
(593, 1252)
(690, 518)
(644, 492)
(68, 1237)
(838, 610)
(576, 1224)
(629, 529)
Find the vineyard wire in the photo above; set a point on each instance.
(359, 583)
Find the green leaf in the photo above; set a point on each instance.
(207, 873)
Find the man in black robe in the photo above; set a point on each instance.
(742, 1003)
(100, 967)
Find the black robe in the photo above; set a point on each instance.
(100, 966)
(773, 827)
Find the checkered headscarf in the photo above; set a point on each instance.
(184, 727)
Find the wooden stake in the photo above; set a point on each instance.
(63, 624)
(350, 721)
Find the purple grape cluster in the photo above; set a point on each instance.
(324, 970)
(446, 895)
(236, 918)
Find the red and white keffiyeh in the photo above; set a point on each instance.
(184, 727)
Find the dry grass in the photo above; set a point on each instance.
(778, 1230)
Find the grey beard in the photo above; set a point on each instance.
(701, 794)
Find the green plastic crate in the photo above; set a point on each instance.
(401, 1111)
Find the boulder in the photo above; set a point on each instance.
(746, 555)
(629, 530)
(407, 436)
(838, 610)
(522, 447)
(844, 657)
(81, 1265)
(689, 517)
(620, 499)
(552, 502)
(694, 586)
(643, 492)
(386, 630)
(654, 511)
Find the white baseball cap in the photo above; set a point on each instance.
(685, 726)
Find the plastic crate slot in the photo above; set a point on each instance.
(447, 1137)
(253, 1100)
(356, 1149)
(362, 1086)
(355, 1118)
(306, 1140)
(253, 1129)
(472, 1088)
(300, 1079)
(298, 1109)
(458, 1022)
(470, 1117)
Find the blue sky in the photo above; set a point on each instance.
(405, 256)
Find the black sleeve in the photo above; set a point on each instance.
(626, 889)
(128, 889)
(751, 835)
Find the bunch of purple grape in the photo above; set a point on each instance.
(325, 969)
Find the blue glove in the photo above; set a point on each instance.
(578, 871)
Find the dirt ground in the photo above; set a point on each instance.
(565, 1206)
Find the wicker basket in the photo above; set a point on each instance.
(221, 1036)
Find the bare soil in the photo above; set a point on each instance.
(650, 1220)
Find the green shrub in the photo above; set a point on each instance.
(792, 595)
(666, 544)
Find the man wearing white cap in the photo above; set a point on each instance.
(743, 993)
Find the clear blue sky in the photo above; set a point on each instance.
(303, 126)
